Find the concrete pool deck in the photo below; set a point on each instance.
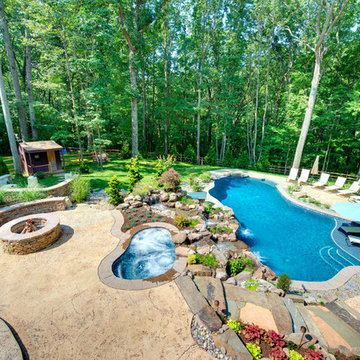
(60, 309)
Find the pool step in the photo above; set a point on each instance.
(297, 319)
(336, 258)
(344, 315)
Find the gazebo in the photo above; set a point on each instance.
(42, 156)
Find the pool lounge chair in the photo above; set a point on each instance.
(304, 176)
(293, 174)
(324, 178)
(354, 239)
(340, 181)
(350, 230)
(354, 188)
(355, 198)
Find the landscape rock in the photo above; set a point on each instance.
(179, 238)
(277, 291)
(208, 317)
(221, 274)
(164, 196)
(231, 281)
(269, 274)
(137, 204)
(232, 237)
(195, 236)
(307, 340)
(200, 270)
(172, 197)
(183, 251)
(310, 300)
(260, 273)
(123, 206)
(204, 250)
(178, 205)
(137, 198)
(243, 276)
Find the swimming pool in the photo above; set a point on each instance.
(288, 238)
(151, 253)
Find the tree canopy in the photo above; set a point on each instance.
(226, 80)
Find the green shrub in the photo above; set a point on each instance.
(133, 224)
(182, 221)
(190, 155)
(163, 220)
(210, 158)
(209, 260)
(254, 350)
(235, 266)
(3, 168)
(31, 195)
(153, 219)
(148, 216)
(80, 188)
(2, 196)
(84, 168)
(291, 345)
(125, 152)
(208, 208)
(134, 210)
(163, 164)
(205, 177)
(294, 355)
(251, 284)
(235, 325)
(40, 175)
(191, 259)
(134, 172)
(228, 159)
(143, 210)
(284, 283)
(114, 191)
(141, 189)
(126, 227)
(170, 179)
(143, 220)
(193, 223)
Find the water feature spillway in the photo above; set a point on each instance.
(151, 253)
(288, 238)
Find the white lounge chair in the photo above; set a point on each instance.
(354, 188)
(340, 181)
(354, 239)
(324, 178)
(304, 176)
(293, 174)
(355, 198)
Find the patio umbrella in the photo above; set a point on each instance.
(315, 168)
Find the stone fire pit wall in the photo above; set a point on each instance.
(21, 244)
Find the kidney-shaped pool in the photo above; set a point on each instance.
(288, 238)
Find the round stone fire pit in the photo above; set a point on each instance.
(45, 231)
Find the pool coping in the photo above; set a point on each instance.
(105, 272)
(343, 276)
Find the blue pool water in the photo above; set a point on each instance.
(151, 253)
(287, 238)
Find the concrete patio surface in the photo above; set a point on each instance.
(61, 310)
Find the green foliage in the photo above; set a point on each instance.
(208, 208)
(207, 259)
(284, 283)
(205, 177)
(235, 266)
(163, 164)
(235, 325)
(134, 171)
(133, 224)
(125, 152)
(40, 175)
(84, 168)
(294, 355)
(252, 284)
(2, 196)
(114, 191)
(254, 350)
(31, 195)
(126, 227)
(210, 158)
(291, 345)
(191, 259)
(141, 189)
(3, 168)
(182, 221)
(228, 159)
(80, 188)
(170, 179)
(190, 155)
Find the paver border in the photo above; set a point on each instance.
(105, 272)
(343, 276)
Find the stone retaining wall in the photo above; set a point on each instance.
(34, 207)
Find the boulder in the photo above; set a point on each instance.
(178, 205)
(307, 340)
(208, 317)
(179, 238)
(204, 250)
(269, 274)
(232, 237)
(195, 236)
(277, 291)
(231, 281)
(164, 196)
(137, 198)
(260, 273)
(200, 270)
(243, 276)
(172, 197)
(130, 198)
(183, 251)
(122, 206)
(137, 204)
(221, 274)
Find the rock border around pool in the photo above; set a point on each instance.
(343, 276)
(105, 272)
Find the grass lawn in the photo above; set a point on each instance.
(49, 180)
(99, 179)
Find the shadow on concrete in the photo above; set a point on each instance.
(67, 234)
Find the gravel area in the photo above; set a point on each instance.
(203, 338)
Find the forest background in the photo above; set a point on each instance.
(226, 80)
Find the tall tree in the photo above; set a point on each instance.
(13, 69)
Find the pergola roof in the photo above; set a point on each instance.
(38, 146)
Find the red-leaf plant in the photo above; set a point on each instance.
(253, 333)
(313, 355)
(274, 339)
(277, 354)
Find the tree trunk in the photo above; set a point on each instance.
(9, 126)
(144, 109)
(34, 132)
(134, 114)
(198, 120)
(14, 74)
(309, 110)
